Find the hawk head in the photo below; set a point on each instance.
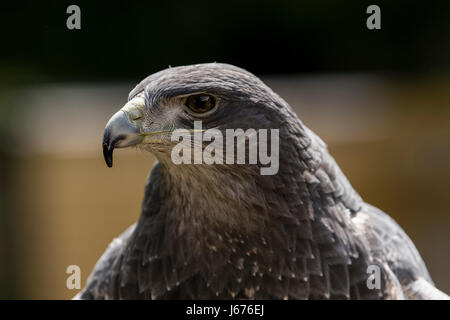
(221, 96)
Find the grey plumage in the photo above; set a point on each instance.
(225, 231)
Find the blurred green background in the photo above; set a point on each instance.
(379, 98)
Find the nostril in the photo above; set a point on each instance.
(137, 118)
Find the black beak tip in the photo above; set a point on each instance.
(108, 154)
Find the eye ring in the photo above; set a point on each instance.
(200, 104)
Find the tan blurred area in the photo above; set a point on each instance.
(390, 137)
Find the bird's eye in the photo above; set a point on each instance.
(200, 103)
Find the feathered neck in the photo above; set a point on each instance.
(214, 232)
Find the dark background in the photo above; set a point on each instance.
(56, 207)
(132, 39)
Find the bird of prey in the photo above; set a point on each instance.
(224, 231)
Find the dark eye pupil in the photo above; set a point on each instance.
(201, 103)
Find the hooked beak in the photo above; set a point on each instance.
(121, 130)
